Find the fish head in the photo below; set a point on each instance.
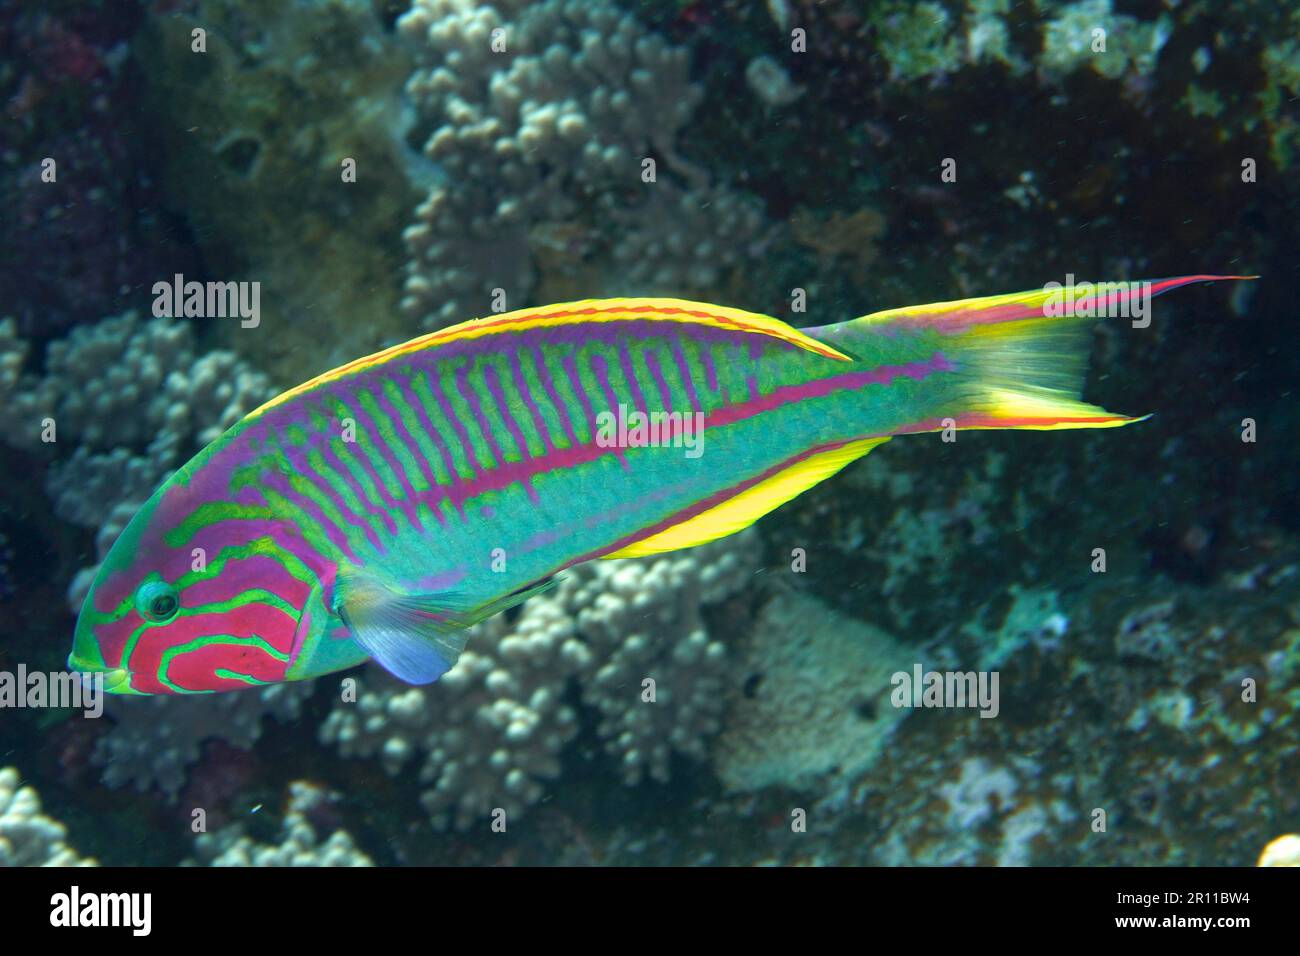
(203, 591)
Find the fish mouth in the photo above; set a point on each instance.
(117, 680)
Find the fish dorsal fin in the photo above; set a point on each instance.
(415, 637)
(742, 510)
(576, 313)
(630, 310)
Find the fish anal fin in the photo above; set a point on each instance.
(743, 509)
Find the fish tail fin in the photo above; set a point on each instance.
(1025, 373)
(1021, 358)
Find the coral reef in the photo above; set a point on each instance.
(27, 836)
(770, 82)
(489, 734)
(133, 399)
(1089, 34)
(1279, 116)
(1098, 757)
(256, 133)
(985, 814)
(815, 709)
(544, 113)
(153, 743)
(1148, 709)
(851, 236)
(915, 38)
(300, 842)
(83, 228)
(642, 619)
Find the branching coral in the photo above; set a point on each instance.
(132, 400)
(153, 742)
(27, 836)
(300, 843)
(490, 732)
(545, 113)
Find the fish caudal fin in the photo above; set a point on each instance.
(1027, 373)
(1021, 358)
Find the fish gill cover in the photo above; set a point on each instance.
(969, 648)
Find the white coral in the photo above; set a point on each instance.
(131, 399)
(300, 843)
(27, 836)
(154, 741)
(491, 731)
(542, 114)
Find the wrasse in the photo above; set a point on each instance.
(381, 509)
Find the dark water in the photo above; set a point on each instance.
(373, 173)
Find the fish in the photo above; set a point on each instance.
(382, 509)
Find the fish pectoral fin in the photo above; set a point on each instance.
(415, 637)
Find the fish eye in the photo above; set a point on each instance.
(157, 601)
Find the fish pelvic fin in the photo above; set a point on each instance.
(1022, 357)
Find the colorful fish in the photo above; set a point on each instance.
(381, 509)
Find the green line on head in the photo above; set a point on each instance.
(212, 512)
(171, 653)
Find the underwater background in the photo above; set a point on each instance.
(800, 145)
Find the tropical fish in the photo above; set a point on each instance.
(381, 509)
